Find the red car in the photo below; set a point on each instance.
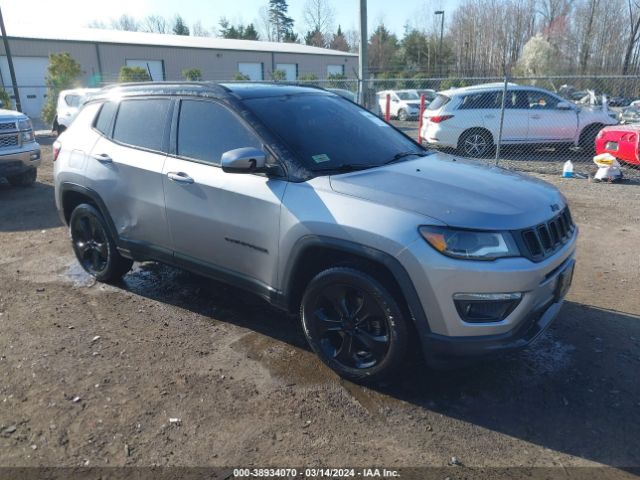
(621, 141)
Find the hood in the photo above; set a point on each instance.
(11, 115)
(456, 192)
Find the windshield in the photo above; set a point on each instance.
(327, 132)
(408, 95)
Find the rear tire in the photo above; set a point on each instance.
(24, 179)
(402, 115)
(354, 324)
(94, 247)
(475, 144)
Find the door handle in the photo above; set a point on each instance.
(536, 117)
(102, 158)
(180, 177)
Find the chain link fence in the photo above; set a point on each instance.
(532, 124)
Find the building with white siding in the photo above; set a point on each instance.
(102, 53)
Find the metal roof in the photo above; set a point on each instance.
(43, 32)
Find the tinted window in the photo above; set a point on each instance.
(206, 130)
(438, 102)
(482, 100)
(327, 132)
(141, 123)
(103, 122)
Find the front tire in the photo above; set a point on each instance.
(402, 115)
(354, 324)
(94, 247)
(588, 138)
(24, 179)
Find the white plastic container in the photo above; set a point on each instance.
(567, 169)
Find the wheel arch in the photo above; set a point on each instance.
(471, 130)
(587, 128)
(72, 195)
(312, 254)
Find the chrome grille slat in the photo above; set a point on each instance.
(7, 141)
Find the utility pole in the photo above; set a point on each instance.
(440, 12)
(363, 61)
(12, 72)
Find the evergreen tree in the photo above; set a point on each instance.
(280, 23)
(339, 41)
(179, 27)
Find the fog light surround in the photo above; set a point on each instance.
(486, 307)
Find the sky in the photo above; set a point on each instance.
(67, 13)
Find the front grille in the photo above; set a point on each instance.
(543, 240)
(7, 126)
(7, 141)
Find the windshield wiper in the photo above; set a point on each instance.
(399, 156)
(345, 167)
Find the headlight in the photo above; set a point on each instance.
(470, 244)
(27, 136)
(25, 125)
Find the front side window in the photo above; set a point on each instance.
(141, 122)
(325, 132)
(206, 130)
(541, 101)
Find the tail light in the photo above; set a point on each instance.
(440, 118)
(56, 150)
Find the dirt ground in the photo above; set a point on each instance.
(168, 368)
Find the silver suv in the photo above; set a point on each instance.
(19, 151)
(319, 207)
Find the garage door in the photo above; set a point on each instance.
(252, 70)
(30, 75)
(154, 67)
(290, 70)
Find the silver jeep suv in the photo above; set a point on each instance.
(319, 207)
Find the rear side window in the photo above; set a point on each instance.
(105, 116)
(72, 100)
(438, 102)
(481, 101)
(141, 123)
(206, 130)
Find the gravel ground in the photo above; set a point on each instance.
(168, 368)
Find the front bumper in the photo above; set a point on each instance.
(437, 279)
(15, 162)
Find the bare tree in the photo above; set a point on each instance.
(125, 22)
(155, 24)
(319, 16)
(634, 33)
(197, 30)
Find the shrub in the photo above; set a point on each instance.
(5, 98)
(62, 73)
(241, 77)
(192, 74)
(133, 74)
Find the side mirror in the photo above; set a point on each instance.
(564, 106)
(243, 160)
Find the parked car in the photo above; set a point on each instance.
(469, 119)
(19, 151)
(630, 114)
(404, 104)
(69, 102)
(428, 93)
(322, 209)
(348, 94)
(621, 141)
